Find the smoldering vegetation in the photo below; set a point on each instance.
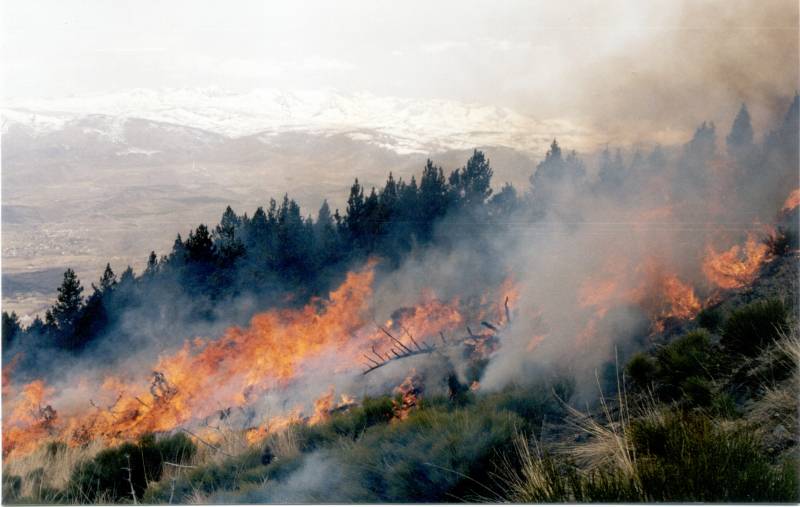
(603, 261)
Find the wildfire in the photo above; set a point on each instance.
(792, 201)
(206, 376)
(735, 267)
(408, 393)
(649, 285)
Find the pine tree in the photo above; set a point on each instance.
(199, 245)
(178, 255)
(741, 135)
(68, 303)
(476, 179)
(107, 281)
(11, 328)
(355, 211)
(325, 234)
(152, 265)
(127, 278)
(227, 234)
(432, 193)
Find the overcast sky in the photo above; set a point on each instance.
(606, 62)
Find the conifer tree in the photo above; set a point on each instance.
(68, 302)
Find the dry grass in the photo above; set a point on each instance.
(198, 498)
(49, 466)
(778, 404)
(284, 443)
(537, 480)
(609, 443)
(789, 344)
(226, 442)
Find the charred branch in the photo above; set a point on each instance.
(160, 388)
(214, 447)
(398, 342)
(489, 326)
(400, 356)
(412, 338)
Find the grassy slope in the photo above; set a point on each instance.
(698, 421)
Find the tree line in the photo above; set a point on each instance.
(278, 249)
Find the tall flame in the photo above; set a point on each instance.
(205, 376)
(792, 201)
(735, 267)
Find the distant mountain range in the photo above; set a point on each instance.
(399, 124)
(108, 178)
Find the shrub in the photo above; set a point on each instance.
(107, 476)
(782, 241)
(349, 425)
(229, 474)
(642, 369)
(531, 403)
(12, 485)
(697, 391)
(710, 318)
(692, 458)
(434, 455)
(750, 328)
(680, 369)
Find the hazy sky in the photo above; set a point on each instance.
(607, 62)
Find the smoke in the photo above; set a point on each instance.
(599, 261)
(660, 68)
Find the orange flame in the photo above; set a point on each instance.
(408, 396)
(792, 201)
(735, 267)
(205, 376)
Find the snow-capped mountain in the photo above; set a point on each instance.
(400, 124)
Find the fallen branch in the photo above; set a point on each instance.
(178, 465)
(401, 344)
(490, 326)
(402, 356)
(412, 338)
(205, 443)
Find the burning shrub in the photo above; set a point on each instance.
(349, 425)
(121, 472)
(750, 328)
(782, 241)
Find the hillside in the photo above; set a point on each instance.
(431, 339)
(523, 443)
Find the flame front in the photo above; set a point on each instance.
(735, 267)
(206, 376)
(792, 201)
